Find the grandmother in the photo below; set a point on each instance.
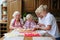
(47, 21)
(16, 22)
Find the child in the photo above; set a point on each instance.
(29, 24)
(16, 22)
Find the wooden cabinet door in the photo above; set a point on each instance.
(29, 5)
(58, 26)
(9, 0)
(44, 2)
(8, 12)
(12, 6)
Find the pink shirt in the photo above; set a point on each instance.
(30, 24)
(15, 24)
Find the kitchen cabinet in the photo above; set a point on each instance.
(52, 4)
(3, 28)
(3, 21)
(44, 2)
(4, 11)
(29, 5)
(58, 25)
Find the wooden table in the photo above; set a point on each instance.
(42, 37)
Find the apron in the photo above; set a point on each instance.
(17, 25)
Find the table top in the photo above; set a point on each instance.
(47, 35)
(42, 37)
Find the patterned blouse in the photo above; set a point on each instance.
(29, 24)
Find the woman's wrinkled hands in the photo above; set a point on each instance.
(41, 25)
(37, 27)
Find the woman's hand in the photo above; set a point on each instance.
(41, 25)
(36, 28)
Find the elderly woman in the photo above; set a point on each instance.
(29, 24)
(47, 21)
(16, 22)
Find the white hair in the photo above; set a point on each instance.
(28, 16)
(15, 13)
(41, 8)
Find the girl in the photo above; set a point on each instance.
(16, 22)
(29, 24)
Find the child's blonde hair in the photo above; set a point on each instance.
(28, 16)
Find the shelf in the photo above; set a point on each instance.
(3, 26)
(4, 7)
(4, 15)
(3, 30)
(3, 22)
